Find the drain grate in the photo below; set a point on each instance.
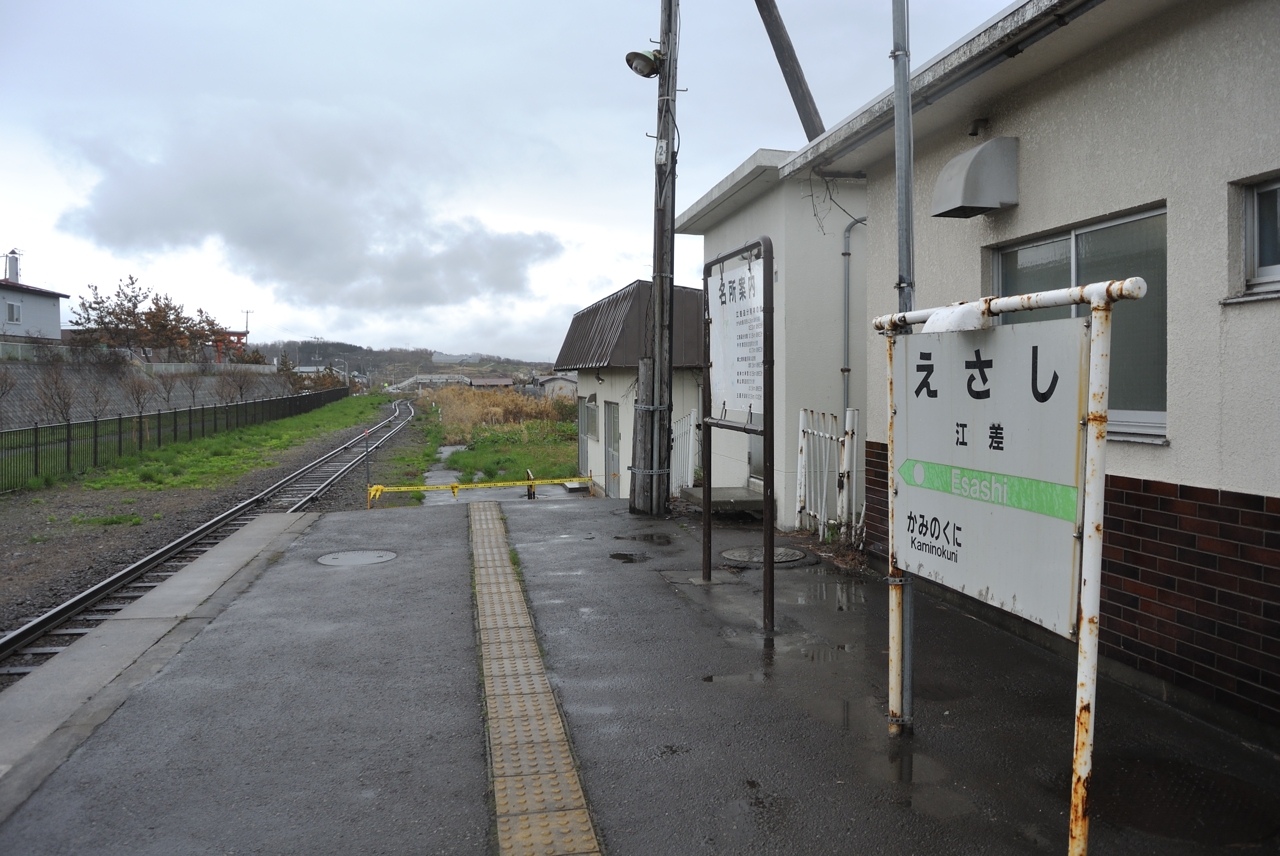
(351, 558)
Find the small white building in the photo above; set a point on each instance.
(28, 312)
(603, 346)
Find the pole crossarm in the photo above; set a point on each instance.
(1094, 294)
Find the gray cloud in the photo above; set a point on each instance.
(329, 207)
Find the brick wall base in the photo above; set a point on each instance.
(1190, 585)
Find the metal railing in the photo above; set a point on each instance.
(825, 473)
(685, 450)
(31, 457)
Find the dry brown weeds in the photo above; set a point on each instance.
(463, 408)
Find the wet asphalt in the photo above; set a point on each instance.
(332, 710)
(697, 733)
(328, 709)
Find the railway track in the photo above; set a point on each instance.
(44, 636)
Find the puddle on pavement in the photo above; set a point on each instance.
(749, 678)
(660, 539)
(630, 558)
(1174, 799)
(844, 594)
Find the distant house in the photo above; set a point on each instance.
(603, 346)
(492, 382)
(29, 312)
(558, 386)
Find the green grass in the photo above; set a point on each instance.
(504, 452)
(410, 462)
(113, 520)
(212, 461)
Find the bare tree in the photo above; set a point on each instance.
(56, 391)
(140, 389)
(243, 379)
(167, 382)
(7, 383)
(225, 388)
(102, 377)
(192, 382)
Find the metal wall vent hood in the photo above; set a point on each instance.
(982, 179)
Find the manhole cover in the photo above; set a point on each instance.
(349, 558)
(755, 555)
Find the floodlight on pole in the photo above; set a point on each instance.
(645, 63)
(651, 454)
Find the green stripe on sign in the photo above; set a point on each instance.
(1038, 497)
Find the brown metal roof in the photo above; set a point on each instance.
(607, 333)
(31, 289)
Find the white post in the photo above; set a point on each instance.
(1090, 570)
(800, 468)
(895, 582)
(847, 489)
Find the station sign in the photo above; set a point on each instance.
(988, 459)
(736, 306)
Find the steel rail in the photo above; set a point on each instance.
(37, 627)
(315, 494)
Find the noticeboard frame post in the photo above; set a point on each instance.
(763, 245)
(1100, 297)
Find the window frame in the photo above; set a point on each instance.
(1258, 279)
(592, 409)
(1139, 426)
(12, 313)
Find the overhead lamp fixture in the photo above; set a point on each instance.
(645, 63)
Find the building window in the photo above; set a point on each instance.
(1117, 249)
(589, 417)
(1263, 231)
(13, 313)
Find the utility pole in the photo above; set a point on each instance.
(247, 313)
(651, 453)
(901, 601)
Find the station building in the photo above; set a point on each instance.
(1061, 143)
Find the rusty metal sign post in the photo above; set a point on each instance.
(1002, 504)
(754, 349)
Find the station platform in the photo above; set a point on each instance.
(264, 701)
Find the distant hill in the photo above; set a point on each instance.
(391, 364)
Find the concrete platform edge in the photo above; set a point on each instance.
(49, 714)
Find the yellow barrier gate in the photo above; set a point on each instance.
(377, 490)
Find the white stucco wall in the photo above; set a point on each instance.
(40, 314)
(809, 306)
(619, 386)
(1180, 113)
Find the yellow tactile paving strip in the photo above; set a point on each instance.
(538, 798)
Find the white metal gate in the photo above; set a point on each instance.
(825, 469)
(612, 459)
(685, 451)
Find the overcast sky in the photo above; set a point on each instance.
(457, 176)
